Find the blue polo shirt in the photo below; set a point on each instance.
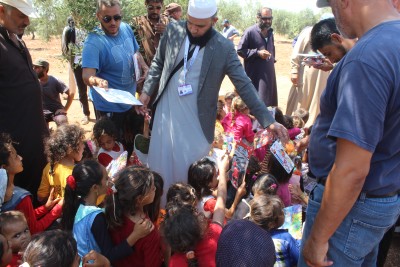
(112, 57)
(361, 104)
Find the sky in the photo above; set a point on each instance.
(291, 5)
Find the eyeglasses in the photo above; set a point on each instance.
(107, 19)
(153, 7)
(267, 18)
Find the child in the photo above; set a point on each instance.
(192, 237)
(105, 134)
(64, 148)
(153, 210)
(238, 122)
(88, 182)
(5, 252)
(135, 189)
(220, 116)
(204, 177)
(14, 228)
(272, 166)
(182, 193)
(57, 248)
(228, 101)
(51, 249)
(267, 212)
(265, 184)
(38, 219)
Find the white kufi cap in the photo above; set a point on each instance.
(202, 9)
(25, 6)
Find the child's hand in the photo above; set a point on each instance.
(241, 191)
(51, 201)
(223, 164)
(95, 259)
(143, 228)
(295, 190)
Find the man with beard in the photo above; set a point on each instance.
(51, 89)
(353, 148)
(190, 65)
(108, 61)
(326, 38)
(21, 113)
(149, 28)
(258, 50)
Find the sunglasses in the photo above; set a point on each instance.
(266, 18)
(107, 19)
(153, 7)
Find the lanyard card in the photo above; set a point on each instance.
(185, 89)
(279, 153)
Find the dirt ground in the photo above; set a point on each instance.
(51, 51)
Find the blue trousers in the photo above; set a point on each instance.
(356, 241)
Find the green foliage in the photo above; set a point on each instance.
(290, 24)
(240, 13)
(52, 17)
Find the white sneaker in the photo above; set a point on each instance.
(85, 120)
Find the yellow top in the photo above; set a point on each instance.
(58, 180)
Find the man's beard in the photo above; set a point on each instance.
(263, 25)
(202, 40)
(40, 74)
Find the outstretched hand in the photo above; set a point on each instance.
(52, 200)
(279, 132)
(145, 99)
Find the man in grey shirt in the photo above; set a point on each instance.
(229, 32)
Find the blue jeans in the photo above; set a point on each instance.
(356, 241)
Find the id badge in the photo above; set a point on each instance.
(185, 89)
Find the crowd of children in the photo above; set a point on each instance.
(120, 221)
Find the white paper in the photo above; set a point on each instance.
(117, 96)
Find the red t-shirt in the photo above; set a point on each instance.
(38, 219)
(16, 260)
(148, 251)
(205, 250)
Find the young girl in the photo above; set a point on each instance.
(153, 210)
(272, 166)
(267, 212)
(64, 148)
(192, 237)
(38, 219)
(105, 134)
(238, 122)
(14, 228)
(134, 190)
(203, 176)
(228, 101)
(220, 116)
(51, 249)
(265, 184)
(81, 215)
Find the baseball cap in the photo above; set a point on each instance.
(225, 21)
(322, 3)
(202, 9)
(41, 63)
(25, 6)
(173, 6)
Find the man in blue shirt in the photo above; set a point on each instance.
(107, 62)
(229, 32)
(354, 151)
